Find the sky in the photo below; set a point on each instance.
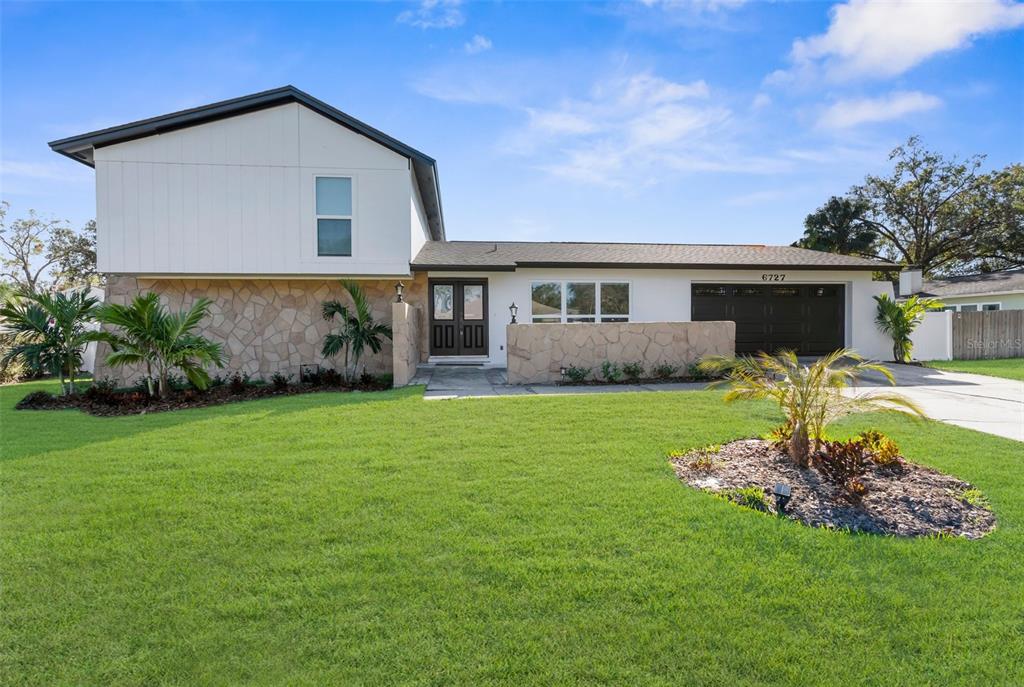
(699, 121)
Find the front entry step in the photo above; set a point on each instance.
(466, 360)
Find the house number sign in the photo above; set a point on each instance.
(773, 277)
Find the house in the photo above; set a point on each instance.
(1003, 290)
(263, 202)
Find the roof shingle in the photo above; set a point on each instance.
(976, 284)
(508, 255)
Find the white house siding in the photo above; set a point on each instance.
(1006, 301)
(236, 197)
(663, 295)
(417, 216)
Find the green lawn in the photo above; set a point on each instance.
(1011, 368)
(381, 539)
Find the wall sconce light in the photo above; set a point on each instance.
(399, 288)
(783, 494)
(514, 309)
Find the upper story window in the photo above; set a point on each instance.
(579, 301)
(334, 216)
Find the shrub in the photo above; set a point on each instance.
(664, 370)
(101, 390)
(238, 382)
(577, 375)
(974, 497)
(36, 398)
(217, 380)
(367, 379)
(748, 497)
(633, 371)
(330, 377)
(611, 371)
(280, 381)
(694, 371)
(810, 395)
(883, 450)
(844, 463)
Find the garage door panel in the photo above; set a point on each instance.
(806, 318)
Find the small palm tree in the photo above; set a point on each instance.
(899, 319)
(358, 331)
(49, 332)
(811, 395)
(161, 340)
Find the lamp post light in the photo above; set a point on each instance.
(514, 309)
(399, 288)
(783, 494)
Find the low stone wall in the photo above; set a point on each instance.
(406, 325)
(538, 352)
(265, 325)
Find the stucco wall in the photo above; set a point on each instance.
(265, 325)
(663, 295)
(933, 338)
(538, 352)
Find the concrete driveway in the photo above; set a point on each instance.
(988, 404)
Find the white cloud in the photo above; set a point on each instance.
(695, 5)
(761, 101)
(434, 14)
(844, 114)
(477, 44)
(884, 38)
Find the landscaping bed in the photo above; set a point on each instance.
(103, 400)
(899, 498)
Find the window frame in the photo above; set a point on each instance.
(980, 305)
(564, 317)
(350, 217)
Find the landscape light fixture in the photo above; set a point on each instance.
(514, 309)
(782, 496)
(399, 288)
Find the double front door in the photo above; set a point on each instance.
(458, 317)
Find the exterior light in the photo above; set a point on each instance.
(514, 309)
(782, 496)
(399, 288)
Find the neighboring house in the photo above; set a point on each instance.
(263, 202)
(1002, 290)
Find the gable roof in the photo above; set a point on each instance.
(80, 148)
(976, 284)
(510, 255)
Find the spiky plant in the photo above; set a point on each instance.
(151, 335)
(49, 332)
(812, 395)
(899, 319)
(358, 331)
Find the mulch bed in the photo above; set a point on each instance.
(138, 403)
(907, 500)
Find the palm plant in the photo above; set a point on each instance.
(899, 319)
(358, 331)
(161, 340)
(49, 332)
(812, 396)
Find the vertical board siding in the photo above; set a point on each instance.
(235, 196)
(988, 334)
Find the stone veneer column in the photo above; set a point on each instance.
(406, 322)
(265, 325)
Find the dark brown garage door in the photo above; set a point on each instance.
(806, 318)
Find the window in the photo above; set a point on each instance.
(708, 290)
(990, 306)
(968, 308)
(334, 216)
(972, 307)
(444, 302)
(572, 301)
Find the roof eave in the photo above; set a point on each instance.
(468, 267)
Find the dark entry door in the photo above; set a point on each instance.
(805, 318)
(458, 317)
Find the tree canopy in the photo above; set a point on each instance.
(942, 214)
(37, 254)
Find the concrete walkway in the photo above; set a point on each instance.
(464, 381)
(987, 404)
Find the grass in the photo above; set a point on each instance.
(1010, 368)
(381, 539)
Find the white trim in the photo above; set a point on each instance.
(563, 318)
(980, 305)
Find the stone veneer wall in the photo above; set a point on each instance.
(406, 321)
(537, 352)
(265, 325)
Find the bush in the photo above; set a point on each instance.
(367, 379)
(881, 448)
(102, 390)
(36, 398)
(694, 371)
(575, 374)
(611, 371)
(238, 382)
(664, 370)
(844, 463)
(748, 497)
(280, 381)
(331, 377)
(633, 371)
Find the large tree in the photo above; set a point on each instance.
(942, 214)
(37, 254)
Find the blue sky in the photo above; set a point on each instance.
(704, 121)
